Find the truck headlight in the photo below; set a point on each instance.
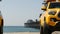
(51, 12)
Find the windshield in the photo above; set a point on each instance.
(54, 5)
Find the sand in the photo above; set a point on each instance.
(56, 32)
(21, 33)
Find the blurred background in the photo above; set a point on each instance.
(16, 13)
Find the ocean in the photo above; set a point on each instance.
(19, 29)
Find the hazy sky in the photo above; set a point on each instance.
(17, 12)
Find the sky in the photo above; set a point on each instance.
(17, 12)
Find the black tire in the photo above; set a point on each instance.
(41, 29)
(45, 29)
(1, 28)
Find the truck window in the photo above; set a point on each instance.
(55, 5)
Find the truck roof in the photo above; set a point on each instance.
(49, 0)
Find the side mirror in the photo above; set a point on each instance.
(40, 15)
(43, 8)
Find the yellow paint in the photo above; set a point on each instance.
(47, 16)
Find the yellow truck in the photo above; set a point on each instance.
(1, 23)
(50, 19)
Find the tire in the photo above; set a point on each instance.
(1, 28)
(41, 29)
(45, 29)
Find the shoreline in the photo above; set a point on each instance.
(56, 32)
(21, 33)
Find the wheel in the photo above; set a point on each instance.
(45, 29)
(1, 28)
(41, 29)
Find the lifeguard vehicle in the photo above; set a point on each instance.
(50, 19)
(1, 23)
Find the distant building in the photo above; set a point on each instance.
(32, 24)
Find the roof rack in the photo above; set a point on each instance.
(49, 1)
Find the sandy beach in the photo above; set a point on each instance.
(21, 33)
(56, 32)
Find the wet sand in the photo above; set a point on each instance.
(56, 32)
(21, 33)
